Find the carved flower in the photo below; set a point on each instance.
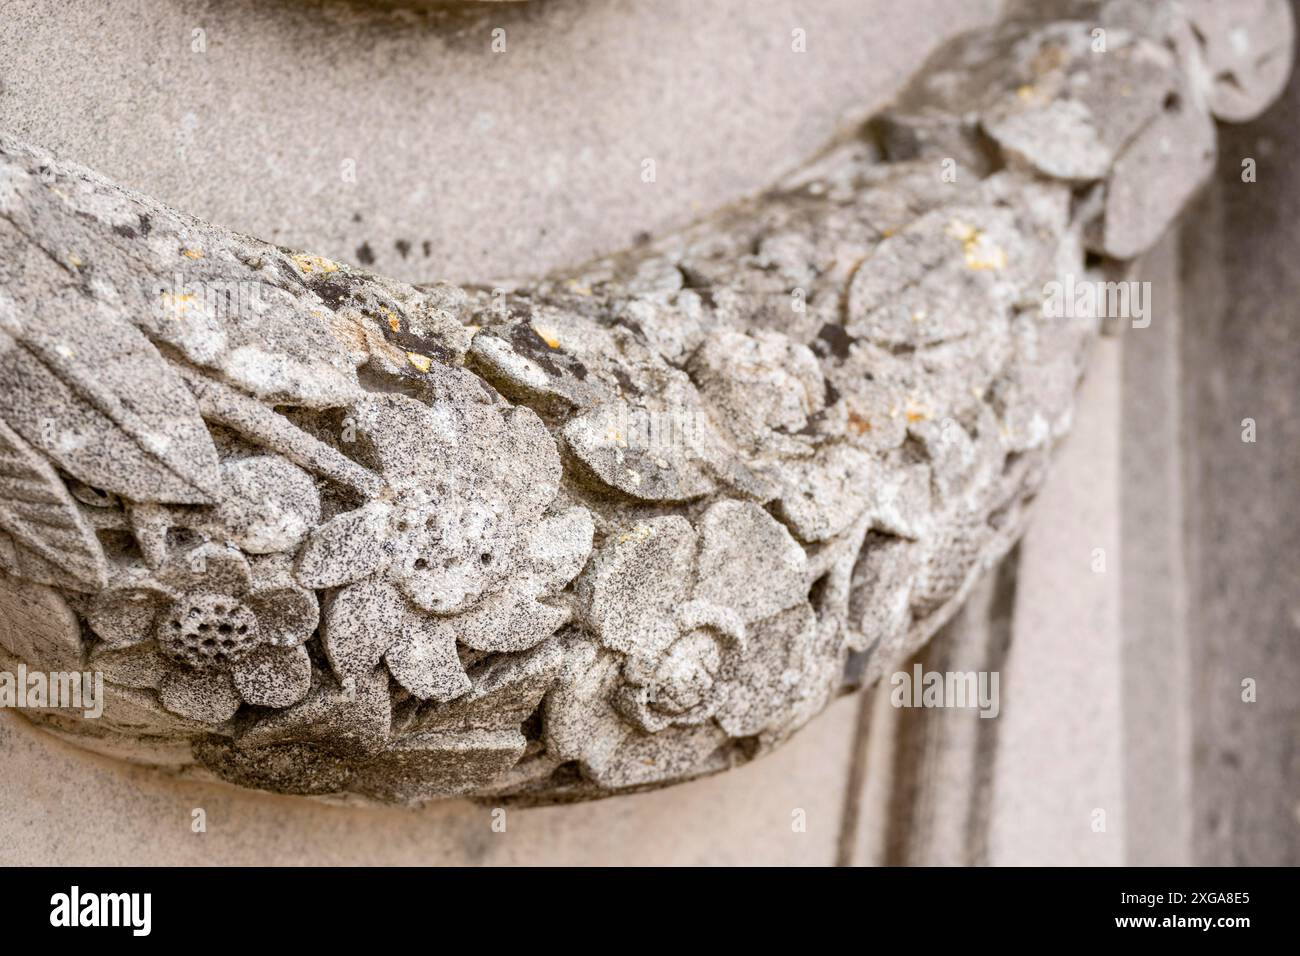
(208, 630)
(678, 686)
(460, 552)
(702, 634)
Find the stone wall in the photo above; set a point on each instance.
(400, 141)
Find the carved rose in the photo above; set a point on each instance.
(702, 634)
(679, 686)
(460, 552)
(207, 630)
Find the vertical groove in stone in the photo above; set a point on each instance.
(1001, 613)
(1241, 359)
(851, 818)
(941, 786)
(1155, 673)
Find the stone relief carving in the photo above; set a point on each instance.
(330, 534)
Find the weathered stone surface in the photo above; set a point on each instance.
(269, 504)
(37, 626)
(605, 531)
(378, 164)
(1179, 149)
(1248, 50)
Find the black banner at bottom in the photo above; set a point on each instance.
(217, 905)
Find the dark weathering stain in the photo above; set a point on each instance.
(632, 325)
(408, 341)
(286, 271)
(523, 338)
(831, 394)
(403, 248)
(142, 227)
(625, 381)
(365, 255)
(836, 339)
(335, 289)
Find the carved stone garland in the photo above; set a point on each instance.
(327, 533)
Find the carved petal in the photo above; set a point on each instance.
(409, 437)
(763, 385)
(756, 695)
(452, 554)
(636, 582)
(558, 548)
(269, 505)
(138, 665)
(880, 593)
(825, 494)
(579, 721)
(528, 464)
(1179, 149)
(505, 692)
(360, 625)
(210, 567)
(274, 676)
(720, 619)
(1058, 138)
(506, 621)
(346, 548)
(424, 660)
(748, 561)
(125, 616)
(205, 695)
(1247, 49)
(604, 440)
(287, 616)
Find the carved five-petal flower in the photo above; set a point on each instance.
(207, 630)
(460, 553)
(703, 632)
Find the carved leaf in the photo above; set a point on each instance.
(505, 691)
(225, 406)
(42, 517)
(92, 394)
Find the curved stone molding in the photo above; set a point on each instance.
(326, 533)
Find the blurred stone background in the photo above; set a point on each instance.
(477, 164)
(1121, 690)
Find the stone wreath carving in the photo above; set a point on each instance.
(327, 533)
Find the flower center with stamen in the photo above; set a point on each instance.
(208, 630)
